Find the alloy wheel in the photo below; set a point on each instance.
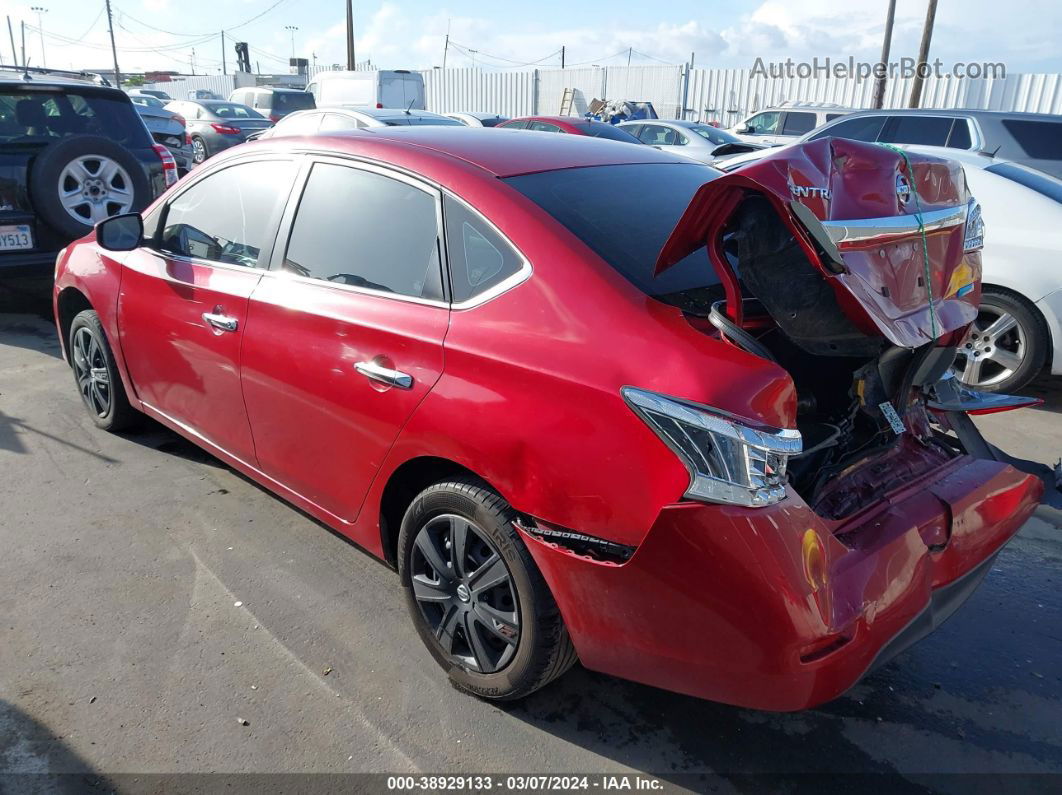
(993, 350)
(199, 152)
(90, 368)
(465, 593)
(94, 187)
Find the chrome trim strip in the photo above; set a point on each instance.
(863, 230)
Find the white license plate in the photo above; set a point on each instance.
(15, 238)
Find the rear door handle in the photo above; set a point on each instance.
(220, 322)
(385, 375)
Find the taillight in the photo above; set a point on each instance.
(225, 129)
(187, 138)
(180, 119)
(169, 165)
(728, 459)
(379, 104)
(274, 118)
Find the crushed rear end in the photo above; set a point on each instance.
(856, 269)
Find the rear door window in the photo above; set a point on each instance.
(1040, 140)
(657, 135)
(861, 128)
(960, 135)
(229, 216)
(363, 229)
(924, 130)
(798, 123)
(479, 257)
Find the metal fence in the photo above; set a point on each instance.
(721, 95)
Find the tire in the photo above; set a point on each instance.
(516, 660)
(1007, 345)
(103, 192)
(200, 153)
(88, 343)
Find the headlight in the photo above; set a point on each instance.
(728, 460)
(975, 228)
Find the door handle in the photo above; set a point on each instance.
(385, 375)
(220, 322)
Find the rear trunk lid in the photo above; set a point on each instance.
(865, 216)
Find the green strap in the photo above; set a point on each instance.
(922, 232)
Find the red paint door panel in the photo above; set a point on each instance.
(321, 427)
(179, 363)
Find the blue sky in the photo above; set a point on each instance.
(410, 33)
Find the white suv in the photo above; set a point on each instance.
(787, 122)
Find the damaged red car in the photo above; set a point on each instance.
(592, 401)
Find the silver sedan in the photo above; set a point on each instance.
(694, 140)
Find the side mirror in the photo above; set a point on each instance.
(120, 232)
(746, 128)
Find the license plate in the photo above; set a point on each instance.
(15, 238)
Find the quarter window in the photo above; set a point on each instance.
(479, 257)
(363, 229)
(333, 122)
(228, 216)
(925, 130)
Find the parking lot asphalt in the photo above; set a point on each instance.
(153, 602)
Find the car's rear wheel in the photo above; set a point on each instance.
(96, 374)
(1007, 344)
(476, 596)
(199, 150)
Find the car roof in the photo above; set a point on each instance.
(9, 80)
(500, 152)
(974, 112)
(379, 113)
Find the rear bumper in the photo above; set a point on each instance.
(32, 263)
(777, 609)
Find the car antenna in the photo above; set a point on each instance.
(409, 107)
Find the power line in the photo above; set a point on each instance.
(467, 50)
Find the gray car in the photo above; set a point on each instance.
(1032, 139)
(215, 124)
(478, 119)
(341, 118)
(692, 139)
(166, 128)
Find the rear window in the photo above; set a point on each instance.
(714, 134)
(925, 130)
(1041, 140)
(798, 123)
(286, 103)
(625, 214)
(602, 130)
(231, 110)
(1037, 181)
(45, 116)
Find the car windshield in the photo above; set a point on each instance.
(1034, 180)
(714, 134)
(44, 116)
(231, 110)
(287, 102)
(599, 129)
(625, 213)
(412, 121)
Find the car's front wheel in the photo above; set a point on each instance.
(1007, 344)
(96, 374)
(476, 596)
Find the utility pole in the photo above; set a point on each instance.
(191, 60)
(40, 30)
(292, 28)
(351, 63)
(923, 54)
(24, 44)
(879, 87)
(446, 49)
(562, 56)
(11, 33)
(114, 49)
(224, 70)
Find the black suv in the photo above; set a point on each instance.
(72, 152)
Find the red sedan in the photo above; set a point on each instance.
(591, 401)
(572, 125)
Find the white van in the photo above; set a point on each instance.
(398, 88)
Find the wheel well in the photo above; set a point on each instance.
(405, 483)
(71, 302)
